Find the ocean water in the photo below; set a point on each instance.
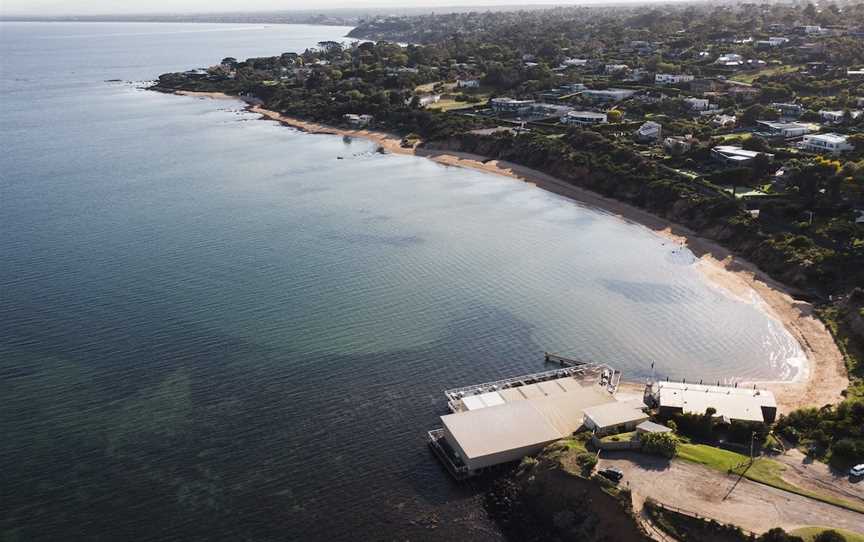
(211, 328)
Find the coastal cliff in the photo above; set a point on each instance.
(548, 498)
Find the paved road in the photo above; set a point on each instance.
(755, 507)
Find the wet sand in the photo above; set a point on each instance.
(819, 381)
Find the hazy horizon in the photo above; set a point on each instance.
(58, 8)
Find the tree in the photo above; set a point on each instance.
(663, 444)
(758, 112)
(829, 536)
(857, 141)
(779, 535)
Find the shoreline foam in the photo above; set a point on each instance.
(822, 377)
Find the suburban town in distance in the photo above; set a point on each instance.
(689, 174)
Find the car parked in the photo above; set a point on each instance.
(857, 470)
(612, 473)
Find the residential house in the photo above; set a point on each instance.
(650, 131)
(830, 143)
(611, 69)
(733, 155)
(511, 106)
(678, 145)
(672, 79)
(358, 120)
(812, 30)
(788, 110)
(771, 42)
(731, 60)
(783, 129)
(724, 121)
(698, 104)
(637, 75)
(609, 95)
(838, 116)
(584, 118)
(467, 83)
(429, 99)
(572, 62)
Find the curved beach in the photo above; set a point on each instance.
(821, 378)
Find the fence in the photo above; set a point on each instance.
(695, 515)
(615, 445)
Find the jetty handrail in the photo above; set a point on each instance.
(475, 389)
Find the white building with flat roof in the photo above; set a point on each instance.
(584, 118)
(732, 403)
(830, 143)
(609, 95)
(617, 417)
(785, 129)
(672, 78)
(734, 155)
(511, 106)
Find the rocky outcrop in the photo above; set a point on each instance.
(549, 499)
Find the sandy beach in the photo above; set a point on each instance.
(820, 381)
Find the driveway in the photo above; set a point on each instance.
(725, 498)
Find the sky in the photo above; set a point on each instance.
(126, 7)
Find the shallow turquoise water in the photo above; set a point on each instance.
(211, 328)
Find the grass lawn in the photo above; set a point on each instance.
(743, 136)
(446, 104)
(427, 88)
(809, 533)
(620, 437)
(765, 471)
(767, 72)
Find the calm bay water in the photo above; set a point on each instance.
(211, 328)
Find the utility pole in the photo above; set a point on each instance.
(752, 442)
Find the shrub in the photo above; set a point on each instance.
(829, 536)
(663, 444)
(779, 535)
(586, 461)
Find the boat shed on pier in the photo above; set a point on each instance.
(504, 421)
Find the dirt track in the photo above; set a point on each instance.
(755, 507)
(817, 476)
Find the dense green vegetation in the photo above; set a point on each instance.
(662, 444)
(824, 534)
(833, 430)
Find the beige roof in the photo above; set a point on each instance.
(511, 394)
(734, 403)
(616, 413)
(523, 422)
(499, 428)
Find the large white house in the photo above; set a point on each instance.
(784, 129)
(838, 116)
(698, 104)
(584, 118)
(650, 131)
(730, 59)
(672, 79)
(511, 106)
(831, 143)
(467, 83)
(609, 95)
